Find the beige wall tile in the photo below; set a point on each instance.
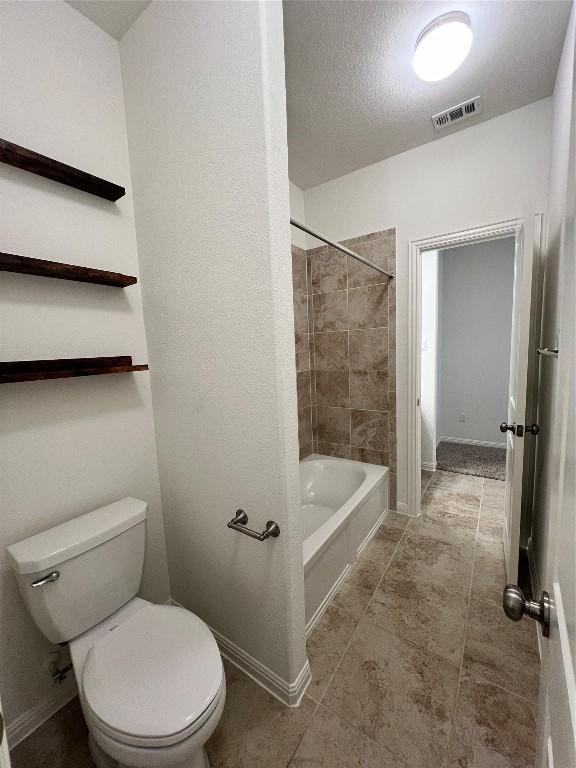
(370, 456)
(378, 251)
(300, 302)
(368, 306)
(333, 424)
(302, 342)
(304, 426)
(369, 349)
(303, 389)
(369, 429)
(331, 351)
(328, 271)
(330, 311)
(332, 388)
(298, 269)
(369, 390)
(334, 449)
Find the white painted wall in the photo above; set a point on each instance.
(428, 359)
(475, 325)
(297, 212)
(487, 173)
(555, 270)
(66, 446)
(204, 85)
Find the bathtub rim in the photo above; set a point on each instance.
(375, 475)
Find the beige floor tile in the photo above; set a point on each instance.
(493, 728)
(455, 501)
(256, 731)
(495, 488)
(436, 562)
(489, 577)
(456, 481)
(396, 520)
(384, 543)
(444, 526)
(326, 646)
(332, 742)
(62, 742)
(428, 615)
(502, 651)
(359, 587)
(400, 695)
(492, 511)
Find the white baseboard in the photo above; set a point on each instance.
(24, 725)
(466, 441)
(403, 509)
(429, 465)
(289, 694)
(327, 600)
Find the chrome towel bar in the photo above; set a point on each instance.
(238, 523)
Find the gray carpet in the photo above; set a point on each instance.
(472, 460)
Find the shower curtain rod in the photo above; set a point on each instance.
(339, 247)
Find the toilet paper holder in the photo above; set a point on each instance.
(238, 523)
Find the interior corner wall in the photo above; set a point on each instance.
(205, 99)
(554, 271)
(66, 446)
(475, 326)
(486, 173)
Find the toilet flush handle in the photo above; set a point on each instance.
(48, 579)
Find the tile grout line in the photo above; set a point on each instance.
(358, 619)
(461, 666)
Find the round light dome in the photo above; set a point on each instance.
(442, 46)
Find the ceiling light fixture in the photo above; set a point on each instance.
(442, 46)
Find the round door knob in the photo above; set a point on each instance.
(533, 429)
(516, 606)
(507, 427)
(513, 602)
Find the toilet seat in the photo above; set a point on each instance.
(154, 679)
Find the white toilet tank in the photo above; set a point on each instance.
(87, 568)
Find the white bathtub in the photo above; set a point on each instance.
(343, 504)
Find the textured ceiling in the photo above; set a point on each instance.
(353, 98)
(113, 16)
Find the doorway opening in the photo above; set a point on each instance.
(519, 404)
(466, 331)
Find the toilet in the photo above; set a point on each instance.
(150, 677)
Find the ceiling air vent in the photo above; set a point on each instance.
(456, 114)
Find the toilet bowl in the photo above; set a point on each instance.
(152, 687)
(150, 677)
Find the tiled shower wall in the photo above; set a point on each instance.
(345, 316)
(304, 352)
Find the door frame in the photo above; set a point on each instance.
(510, 228)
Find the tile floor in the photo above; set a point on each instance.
(414, 664)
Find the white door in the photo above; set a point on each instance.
(557, 702)
(516, 416)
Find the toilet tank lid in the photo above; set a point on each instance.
(61, 543)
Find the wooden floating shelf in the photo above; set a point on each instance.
(28, 160)
(25, 265)
(37, 370)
